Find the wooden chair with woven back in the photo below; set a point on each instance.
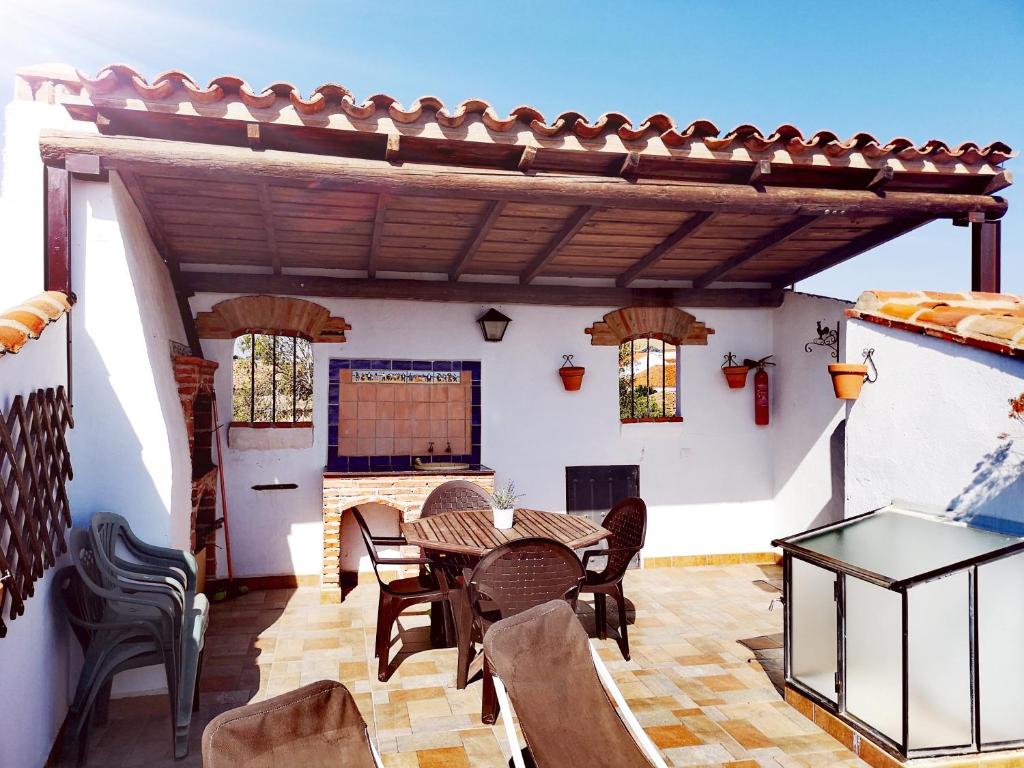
(396, 595)
(627, 522)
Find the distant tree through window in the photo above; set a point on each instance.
(647, 380)
(272, 380)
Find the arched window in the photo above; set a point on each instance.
(272, 380)
(648, 380)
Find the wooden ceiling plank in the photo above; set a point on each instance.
(662, 249)
(475, 292)
(574, 224)
(267, 211)
(170, 258)
(378, 233)
(482, 231)
(769, 241)
(863, 243)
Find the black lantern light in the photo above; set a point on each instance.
(493, 324)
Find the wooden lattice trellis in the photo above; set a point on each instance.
(35, 465)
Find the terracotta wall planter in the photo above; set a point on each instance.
(847, 379)
(736, 376)
(572, 377)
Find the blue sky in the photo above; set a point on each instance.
(923, 69)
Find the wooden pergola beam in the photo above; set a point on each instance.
(766, 243)
(837, 256)
(482, 231)
(170, 258)
(574, 224)
(216, 162)
(986, 256)
(662, 249)
(267, 213)
(477, 292)
(378, 232)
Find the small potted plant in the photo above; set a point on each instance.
(735, 374)
(504, 506)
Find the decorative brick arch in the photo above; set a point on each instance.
(271, 314)
(666, 323)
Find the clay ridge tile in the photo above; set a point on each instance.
(330, 97)
(20, 324)
(991, 321)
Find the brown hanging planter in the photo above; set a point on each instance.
(572, 375)
(849, 378)
(735, 375)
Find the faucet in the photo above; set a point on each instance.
(448, 449)
(430, 448)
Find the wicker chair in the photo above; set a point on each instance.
(627, 522)
(395, 595)
(455, 496)
(511, 579)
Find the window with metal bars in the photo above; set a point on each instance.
(648, 384)
(272, 380)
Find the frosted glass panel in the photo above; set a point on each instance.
(940, 671)
(813, 624)
(1000, 649)
(874, 657)
(899, 545)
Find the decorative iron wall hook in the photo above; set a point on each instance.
(827, 337)
(869, 360)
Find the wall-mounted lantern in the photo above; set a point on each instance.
(493, 324)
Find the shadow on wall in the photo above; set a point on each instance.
(832, 510)
(994, 499)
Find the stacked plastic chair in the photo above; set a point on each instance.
(134, 596)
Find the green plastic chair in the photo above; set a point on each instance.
(164, 575)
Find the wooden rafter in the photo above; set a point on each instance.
(882, 177)
(206, 161)
(482, 230)
(766, 243)
(762, 168)
(477, 292)
(574, 224)
(999, 182)
(393, 150)
(525, 163)
(267, 212)
(630, 166)
(859, 245)
(662, 249)
(378, 233)
(170, 258)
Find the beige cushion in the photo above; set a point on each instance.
(315, 726)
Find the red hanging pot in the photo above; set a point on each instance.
(735, 374)
(572, 375)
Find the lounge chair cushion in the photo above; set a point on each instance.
(543, 658)
(315, 726)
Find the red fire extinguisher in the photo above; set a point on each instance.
(761, 396)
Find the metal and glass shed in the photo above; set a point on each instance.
(907, 626)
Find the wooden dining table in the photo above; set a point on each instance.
(458, 539)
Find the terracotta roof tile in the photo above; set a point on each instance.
(27, 321)
(119, 80)
(992, 321)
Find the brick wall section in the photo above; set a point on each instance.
(194, 377)
(406, 492)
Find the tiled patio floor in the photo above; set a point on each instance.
(700, 694)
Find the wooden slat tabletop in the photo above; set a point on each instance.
(472, 532)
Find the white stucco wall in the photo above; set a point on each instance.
(808, 442)
(710, 482)
(931, 430)
(131, 448)
(38, 657)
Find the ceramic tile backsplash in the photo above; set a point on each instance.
(384, 419)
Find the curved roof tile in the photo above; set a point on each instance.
(28, 320)
(332, 97)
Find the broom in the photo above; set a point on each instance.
(231, 589)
